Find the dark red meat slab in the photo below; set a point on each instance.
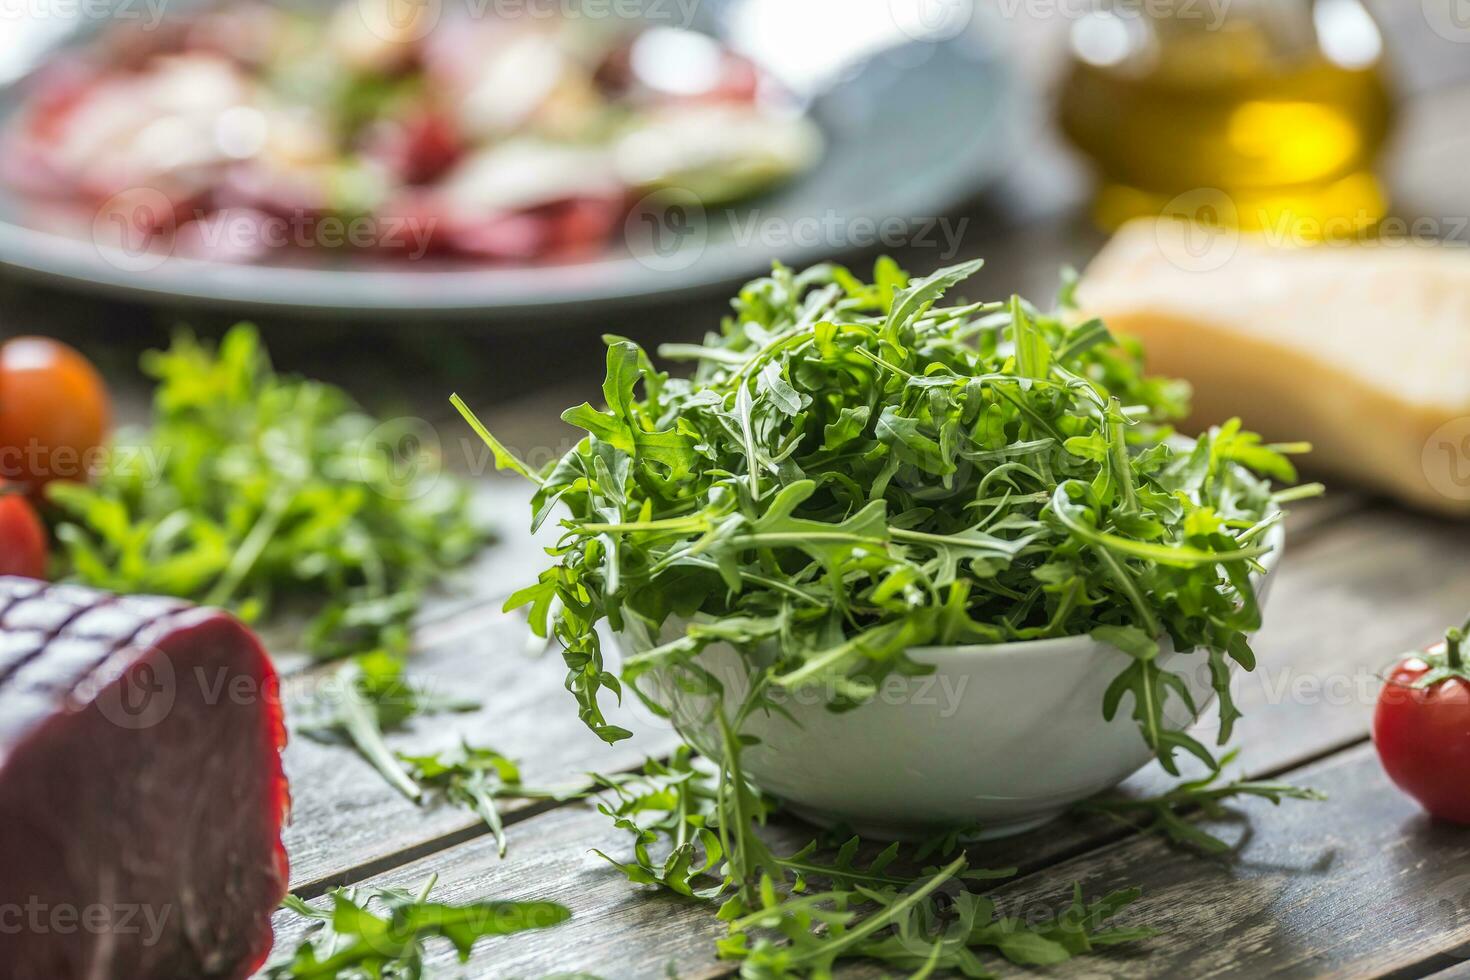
(141, 789)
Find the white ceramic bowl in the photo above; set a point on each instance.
(1003, 737)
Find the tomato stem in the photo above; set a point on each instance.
(1452, 641)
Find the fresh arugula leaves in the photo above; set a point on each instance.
(817, 905)
(249, 488)
(859, 470)
(854, 470)
(352, 942)
(1168, 813)
(373, 694)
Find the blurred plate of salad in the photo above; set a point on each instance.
(479, 155)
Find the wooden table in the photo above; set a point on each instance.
(1361, 885)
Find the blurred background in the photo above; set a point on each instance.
(414, 197)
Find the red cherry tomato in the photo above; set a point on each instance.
(54, 412)
(22, 538)
(1423, 732)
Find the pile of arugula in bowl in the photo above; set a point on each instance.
(858, 469)
(852, 470)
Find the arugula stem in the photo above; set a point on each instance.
(680, 525)
(1118, 445)
(815, 869)
(1306, 491)
(906, 375)
(359, 721)
(775, 585)
(504, 458)
(922, 537)
(1030, 415)
(251, 548)
(483, 804)
(740, 821)
(1130, 589)
(890, 914)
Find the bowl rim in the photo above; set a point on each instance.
(1074, 644)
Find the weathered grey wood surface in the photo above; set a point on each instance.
(1360, 583)
(1364, 885)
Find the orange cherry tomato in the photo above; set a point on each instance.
(22, 538)
(54, 413)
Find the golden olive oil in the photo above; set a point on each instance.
(1266, 122)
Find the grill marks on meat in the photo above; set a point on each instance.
(141, 789)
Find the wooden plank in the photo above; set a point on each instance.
(1362, 885)
(1453, 964)
(1370, 589)
(346, 821)
(617, 930)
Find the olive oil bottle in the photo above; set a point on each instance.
(1266, 114)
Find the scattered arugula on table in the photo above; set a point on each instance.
(1167, 813)
(852, 470)
(371, 695)
(832, 902)
(352, 942)
(475, 777)
(249, 488)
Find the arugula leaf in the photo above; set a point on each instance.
(352, 942)
(681, 821)
(908, 302)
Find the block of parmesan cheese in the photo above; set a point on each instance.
(1362, 349)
